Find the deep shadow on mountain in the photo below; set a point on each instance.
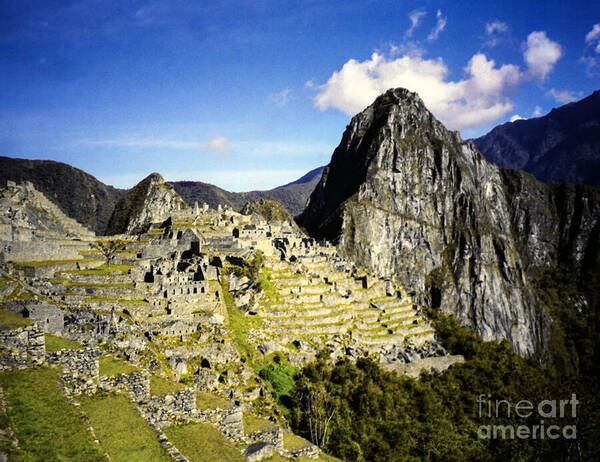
(560, 147)
(78, 194)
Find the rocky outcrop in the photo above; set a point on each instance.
(412, 201)
(560, 147)
(271, 211)
(152, 200)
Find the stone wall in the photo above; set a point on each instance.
(22, 347)
(136, 383)
(80, 370)
(37, 250)
(48, 317)
(164, 410)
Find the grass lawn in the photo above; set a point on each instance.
(45, 424)
(37, 264)
(122, 432)
(13, 320)
(55, 343)
(102, 269)
(240, 325)
(109, 365)
(162, 386)
(206, 400)
(322, 458)
(201, 442)
(90, 285)
(254, 423)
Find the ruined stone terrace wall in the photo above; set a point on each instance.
(136, 383)
(22, 347)
(37, 250)
(80, 370)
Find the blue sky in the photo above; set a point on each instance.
(252, 94)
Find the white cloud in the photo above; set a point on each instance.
(135, 142)
(562, 96)
(415, 17)
(494, 27)
(473, 101)
(220, 145)
(309, 83)
(280, 98)
(410, 48)
(516, 117)
(592, 65)
(541, 54)
(439, 27)
(494, 32)
(537, 111)
(594, 36)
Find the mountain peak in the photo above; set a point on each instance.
(151, 200)
(410, 200)
(154, 177)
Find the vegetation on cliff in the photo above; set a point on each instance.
(381, 416)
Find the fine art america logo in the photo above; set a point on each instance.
(550, 409)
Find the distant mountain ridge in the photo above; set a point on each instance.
(292, 196)
(560, 147)
(78, 194)
(92, 203)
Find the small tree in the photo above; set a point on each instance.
(319, 408)
(109, 249)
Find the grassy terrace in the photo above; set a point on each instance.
(54, 343)
(12, 454)
(42, 263)
(205, 400)
(102, 269)
(162, 386)
(122, 432)
(109, 365)
(201, 442)
(254, 423)
(240, 324)
(12, 320)
(93, 285)
(119, 301)
(45, 424)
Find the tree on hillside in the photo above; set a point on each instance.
(319, 408)
(109, 249)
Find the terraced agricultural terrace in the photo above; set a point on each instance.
(168, 338)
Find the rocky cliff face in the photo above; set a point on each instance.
(410, 200)
(554, 225)
(151, 200)
(561, 147)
